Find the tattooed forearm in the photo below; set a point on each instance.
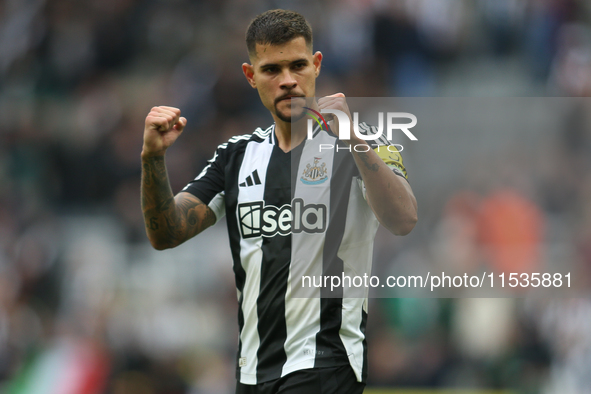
(388, 195)
(147, 174)
(365, 159)
(156, 192)
(169, 220)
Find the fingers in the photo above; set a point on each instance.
(337, 98)
(334, 101)
(180, 125)
(171, 109)
(164, 118)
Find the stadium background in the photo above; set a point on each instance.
(86, 306)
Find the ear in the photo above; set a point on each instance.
(248, 71)
(317, 60)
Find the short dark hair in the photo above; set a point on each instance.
(276, 27)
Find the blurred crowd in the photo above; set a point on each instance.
(87, 307)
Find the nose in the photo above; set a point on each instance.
(287, 80)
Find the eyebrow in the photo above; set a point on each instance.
(266, 65)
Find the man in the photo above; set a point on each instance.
(284, 218)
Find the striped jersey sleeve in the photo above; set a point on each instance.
(210, 185)
(211, 180)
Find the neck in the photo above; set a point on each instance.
(289, 135)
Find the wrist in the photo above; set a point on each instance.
(358, 142)
(354, 140)
(146, 154)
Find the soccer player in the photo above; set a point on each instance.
(288, 207)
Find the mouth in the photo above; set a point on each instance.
(288, 97)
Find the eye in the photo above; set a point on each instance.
(299, 66)
(270, 70)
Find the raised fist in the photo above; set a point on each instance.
(339, 102)
(163, 126)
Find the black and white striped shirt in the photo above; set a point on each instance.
(291, 214)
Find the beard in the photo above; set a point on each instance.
(297, 112)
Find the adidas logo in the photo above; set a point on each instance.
(251, 180)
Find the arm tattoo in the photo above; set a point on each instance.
(153, 223)
(148, 174)
(169, 221)
(364, 158)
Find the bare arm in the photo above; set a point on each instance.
(169, 220)
(389, 196)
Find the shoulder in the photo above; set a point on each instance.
(240, 141)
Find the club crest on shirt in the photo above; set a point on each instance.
(315, 174)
